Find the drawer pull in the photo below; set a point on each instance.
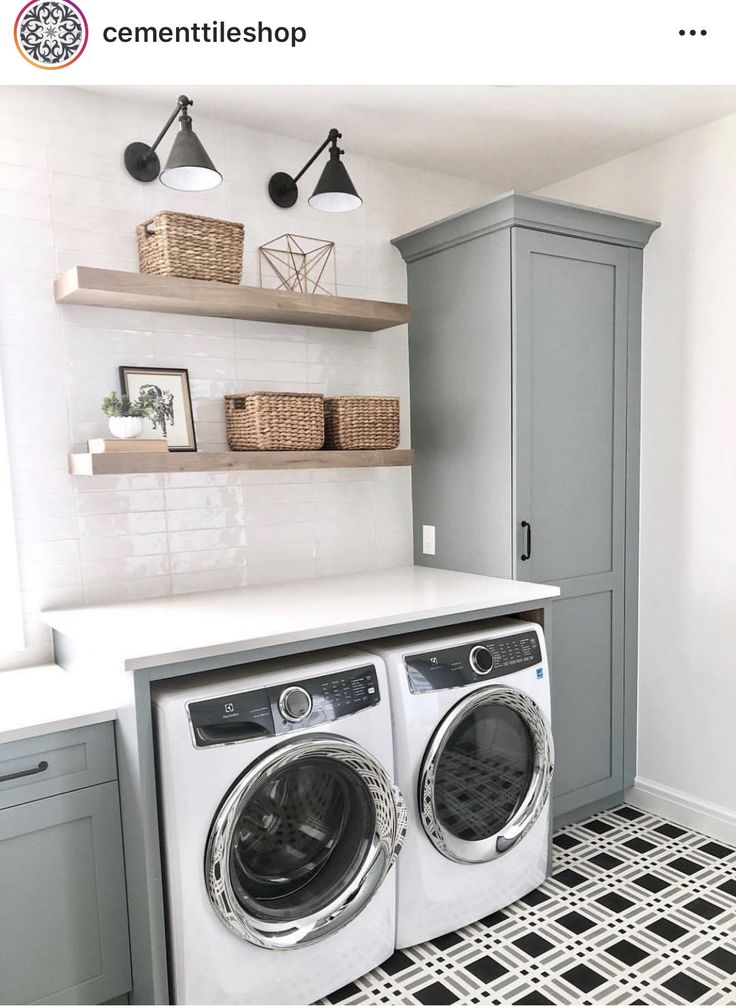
(43, 765)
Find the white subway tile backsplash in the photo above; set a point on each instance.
(18, 178)
(90, 191)
(270, 535)
(20, 128)
(279, 493)
(128, 589)
(28, 231)
(209, 580)
(345, 564)
(123, 568)
(195, 344)
(280, 514)
(51, 597)
(207, 560)
(49, 575)
(95, 243)
(92, 218)
(184, 480)
(31, 257)
(267, 571)
(97, 503)
(294, 372)
(94, 526)
(344, 492)
(280, 551)
(106, 484)
(44, 530)
(206, 539)
(43, 505)
(61, 551)
(271, 349)
(122, 547)
(204, 497)
(205, 518)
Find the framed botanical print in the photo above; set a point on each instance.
(166, 392)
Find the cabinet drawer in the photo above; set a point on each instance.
(54, 764)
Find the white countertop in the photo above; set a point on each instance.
(45, 698)
(204, 624)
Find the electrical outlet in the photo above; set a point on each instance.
(428, 532)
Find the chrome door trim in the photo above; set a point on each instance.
(385, 844)
(476, 851)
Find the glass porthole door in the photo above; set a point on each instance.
(486, 774)
(302, 841)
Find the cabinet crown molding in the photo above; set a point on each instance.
(535, 212)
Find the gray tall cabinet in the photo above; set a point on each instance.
(524, 371)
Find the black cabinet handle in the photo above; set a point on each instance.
(528, 554)
(43, 765)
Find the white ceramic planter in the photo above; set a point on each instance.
(126, 426)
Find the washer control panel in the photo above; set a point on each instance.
(276, 710)
(465, 664)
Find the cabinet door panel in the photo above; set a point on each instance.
(585, 698)
(63, 917)
(572, 414)
(571, 307)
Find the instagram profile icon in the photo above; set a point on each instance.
(51, 34)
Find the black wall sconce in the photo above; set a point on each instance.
(189, 166)
(334, 191)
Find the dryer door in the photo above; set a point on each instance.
(302, 841)
(486, 774)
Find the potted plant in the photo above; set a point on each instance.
(126, 415)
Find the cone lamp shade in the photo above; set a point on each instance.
(189, 166)
(335, 191)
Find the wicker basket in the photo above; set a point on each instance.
(199, 248)
(361, 422)
(275, 421)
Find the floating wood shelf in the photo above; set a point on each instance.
(120, 463)
(85, 285)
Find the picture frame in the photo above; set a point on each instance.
(173, 418)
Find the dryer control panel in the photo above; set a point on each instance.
(465, 664)
(276, 710)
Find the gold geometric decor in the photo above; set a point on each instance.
(298, 263)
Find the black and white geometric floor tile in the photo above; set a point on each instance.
(637, 911)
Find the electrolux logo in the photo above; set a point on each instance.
(51, 35)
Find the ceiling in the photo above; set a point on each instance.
(514, 137)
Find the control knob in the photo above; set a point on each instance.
(295, 704)
(481, 659)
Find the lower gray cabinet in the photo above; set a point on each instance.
(63, 916)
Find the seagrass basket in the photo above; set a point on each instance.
(361, 422)
(275, 421)
(199, 248)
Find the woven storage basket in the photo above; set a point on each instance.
(199, 248)
(361, 422)
(275, 421)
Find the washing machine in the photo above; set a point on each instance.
(473, 755)
(280, 823)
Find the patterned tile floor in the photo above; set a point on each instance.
(637, 911)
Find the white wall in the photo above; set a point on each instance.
(687, 684)
(64, 200)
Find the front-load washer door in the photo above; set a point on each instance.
(486, 774)
(302, 841)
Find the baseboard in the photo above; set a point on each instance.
(684, 809)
